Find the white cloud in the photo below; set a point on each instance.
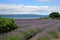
(47, 0)
(22, 9)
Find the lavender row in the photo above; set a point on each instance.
(31, 29)
(26, 30)
(45, 34)
(25, 23)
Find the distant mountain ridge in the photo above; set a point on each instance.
(24, 16)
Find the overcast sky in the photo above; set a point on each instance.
(41, 7)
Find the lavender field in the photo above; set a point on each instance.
(34, 29)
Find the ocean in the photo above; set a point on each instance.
(23, 16)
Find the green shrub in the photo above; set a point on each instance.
(7, 24)
(43, 38)
(12, 38)
(53, 34)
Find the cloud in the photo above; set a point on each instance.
(48, 1)
(22, 9)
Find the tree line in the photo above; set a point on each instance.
(54, 15)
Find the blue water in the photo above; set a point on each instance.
(24, 16)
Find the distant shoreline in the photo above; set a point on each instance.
(24, 16)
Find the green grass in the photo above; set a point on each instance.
(38, 29)
(32, 32)
(59, 29)
(24, 34)
(12, 38)
(43, 38)
(53, 34)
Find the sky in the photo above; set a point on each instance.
(39, 7)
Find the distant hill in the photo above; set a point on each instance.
(24, 16)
